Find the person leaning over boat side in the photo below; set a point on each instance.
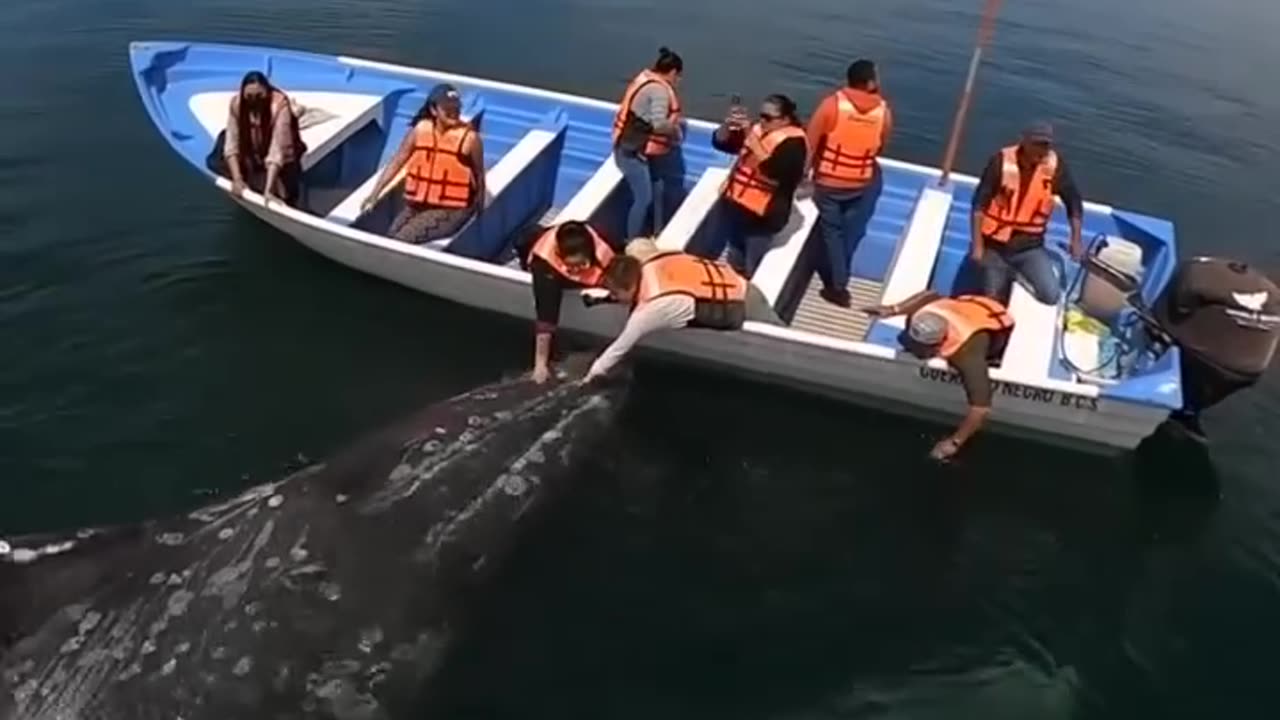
(1011, 209)
(969, 332)
(646, 140)
(672, 290)
(570, 255)
(443, 158)
(847, 133)
(757, 199)
(263, 146)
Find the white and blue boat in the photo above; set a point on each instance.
(548, 157)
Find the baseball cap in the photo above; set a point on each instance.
(927, 328)
(1038, 132)
(442, 93)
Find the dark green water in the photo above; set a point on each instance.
(735, 551)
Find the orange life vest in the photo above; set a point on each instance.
(439, 170)
(849, 151)
(718, 291)
(656, 144)
(966, 315)
(545, 247)
(749, 187)
(1009, 211)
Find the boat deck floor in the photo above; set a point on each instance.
(815, 315)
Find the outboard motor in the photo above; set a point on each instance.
(1225, 316)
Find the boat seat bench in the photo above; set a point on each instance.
(592, 196)
(917, 251)
(693, 211)
(782, 259)
(1031, 345)
(523, 168)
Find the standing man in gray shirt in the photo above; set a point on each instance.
(646, 142)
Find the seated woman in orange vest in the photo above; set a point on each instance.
(757, 199)
(571, 255)
(262, 146)
(1011, 209)
(847, 133)
(969, 332)
(675, 290)
(443, 159)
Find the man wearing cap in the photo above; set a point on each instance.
(1011, 209)
(969, 332)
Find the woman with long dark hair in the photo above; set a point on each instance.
(263, 147)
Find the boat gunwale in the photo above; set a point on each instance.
(422, 253)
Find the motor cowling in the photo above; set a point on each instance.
(1223, 312)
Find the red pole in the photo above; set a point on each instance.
(986, 30)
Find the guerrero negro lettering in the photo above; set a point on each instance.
(1008, 389)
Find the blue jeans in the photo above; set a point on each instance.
(1034, 264)
(843, 216)
(656, 181)
(748, 240)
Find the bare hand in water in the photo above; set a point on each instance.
(945, 450)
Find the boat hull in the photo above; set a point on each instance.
(553, 152)
(1093, 425)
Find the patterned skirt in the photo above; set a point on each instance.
(424, 223)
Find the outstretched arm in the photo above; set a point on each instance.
(906, 307)
(231, 147)
(547, 294)
(970, 361)
(822, 122)
(673, 311)
(982, 196)
(477, 167)
(1071, 197)
(393, 167)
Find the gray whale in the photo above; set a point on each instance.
(332, 593)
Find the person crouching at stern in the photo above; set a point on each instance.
(969, 332)
(671, 290)
(570, 255)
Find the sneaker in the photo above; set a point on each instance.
(841, 297)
